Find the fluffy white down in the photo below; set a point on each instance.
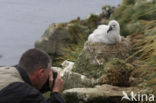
(108, 34)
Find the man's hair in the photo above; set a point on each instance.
(34, 59)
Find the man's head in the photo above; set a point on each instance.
(37, 64)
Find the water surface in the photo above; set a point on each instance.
(22, 22)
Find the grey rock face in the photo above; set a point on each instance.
(94, 57)
(99, 94)
(73, 79)
(53, 40)
(76, 80)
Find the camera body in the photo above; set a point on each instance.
(46, 86)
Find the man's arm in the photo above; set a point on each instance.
(55, 96)
(23, 93)
(34, 96)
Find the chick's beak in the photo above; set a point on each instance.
(110, 28)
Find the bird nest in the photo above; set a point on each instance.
(100, 52)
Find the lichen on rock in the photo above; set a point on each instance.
(94, 56)
(117, 73)
(99, 94)
(54, 41)
(72, 79)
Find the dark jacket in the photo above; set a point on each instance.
(15, 87)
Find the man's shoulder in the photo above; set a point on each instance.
(18, 88)
(17, 92)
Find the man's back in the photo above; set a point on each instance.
(9, 75)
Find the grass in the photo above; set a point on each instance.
(137, 19)
(130, 15)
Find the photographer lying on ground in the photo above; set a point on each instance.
(24, 82)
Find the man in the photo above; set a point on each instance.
(22, 84)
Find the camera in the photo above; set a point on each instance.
(46, 86)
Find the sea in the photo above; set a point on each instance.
(22, 22)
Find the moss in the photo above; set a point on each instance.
(71, 98)
(131, 16)
(78, 35)
(47, 94)
(145, 52)
(136, 18)
(129, 2)
(93, 21)
(117, 72)
(62, 25)
(151, 61)
(106, 11)
(124, 17)
(83, 66)
(75, 21)
(107, 6)
(73, 52)
(118, 11)
(134, 27)
(57, 59)
(75, 32)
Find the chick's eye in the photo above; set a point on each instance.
(113, 25)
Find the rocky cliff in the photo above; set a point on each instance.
(127, 66)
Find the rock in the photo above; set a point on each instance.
(68, 66)
(94, 56)
(117, 73)
(99, 53)
(58, 69)
(60, 39)
(76, 80)
(72, 79)
(107, 11)
(53, 40)
(99, 94)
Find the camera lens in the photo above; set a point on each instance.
(54, 78)
(46, 86)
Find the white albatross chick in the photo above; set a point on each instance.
(108, 34)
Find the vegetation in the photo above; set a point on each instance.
(137, 19)
(135, 16)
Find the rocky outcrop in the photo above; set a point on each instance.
(68, 66)
(100, 94)
(129, 63)
(99, 53)
(94, 57)
(53, 40)
(107, 11)
(76, 80)
(73, 79)
(117, 72)
(59, 39)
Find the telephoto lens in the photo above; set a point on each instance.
(46, 86)
(54, 78)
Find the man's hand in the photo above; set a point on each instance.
(50, 78)
(58, 86)
(59, 83)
